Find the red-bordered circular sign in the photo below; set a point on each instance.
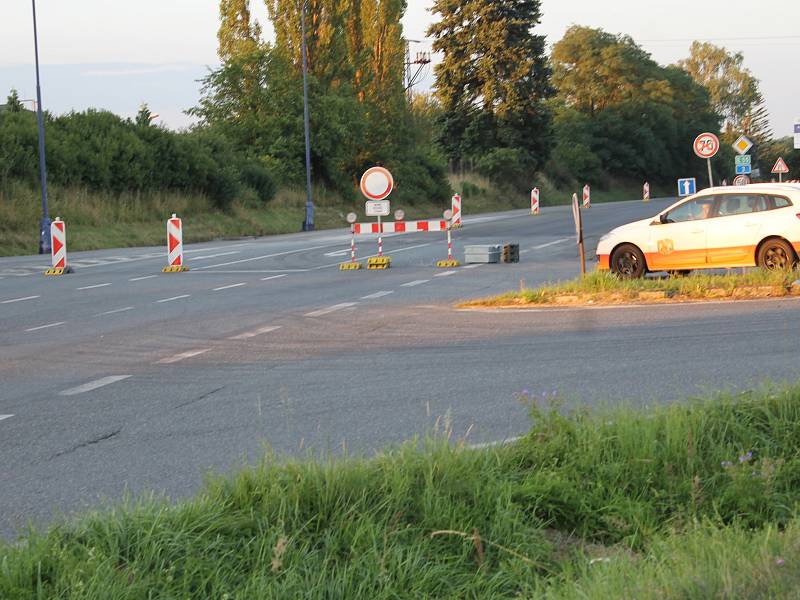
(377, 183)
(706, 145)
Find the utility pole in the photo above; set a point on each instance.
(308, 224)
(420, 61)
(44, 226)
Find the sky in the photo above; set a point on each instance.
(116, 55)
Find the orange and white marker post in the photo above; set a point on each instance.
(535, 201)
(587, 196)
(646, 192)
(450, 262)
(58, 248)
(174, 246)
(456, 208)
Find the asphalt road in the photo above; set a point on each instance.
(119, 377)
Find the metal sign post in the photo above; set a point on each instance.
(706, 145)
(576, 214)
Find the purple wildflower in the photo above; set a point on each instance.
(746, 457)
(780, 562)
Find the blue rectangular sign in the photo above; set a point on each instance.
(797, 127)
(687, 187)
(743, 169)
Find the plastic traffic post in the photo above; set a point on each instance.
(174, 246)
(58, 248)
(535, 201)
(587, 196)
(646, 192)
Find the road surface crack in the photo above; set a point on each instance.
(97, 440)
(202, 397)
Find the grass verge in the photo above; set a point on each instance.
(602, 287)
(693, 500)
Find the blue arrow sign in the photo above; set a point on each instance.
(743, 169)
(687, 187)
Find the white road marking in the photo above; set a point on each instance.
(5, 417)
(92, 287)
(373, 255)
(273, 277)
(561, 241)
(115, 311)
(228, 287)
(182, 356)
(143, 278)
(93, 385)
(46, 326)
(495, 443)
(216, 255)
(473, 266)
(377, 295)
(446, 274)
(173, 298)
(251, 334)
(19, 299)
(330, 309)
(338, 253)
(193, 250)
(244, 260)
(414, 283)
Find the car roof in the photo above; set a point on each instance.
(756, 187)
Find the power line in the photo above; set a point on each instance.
(725, 39)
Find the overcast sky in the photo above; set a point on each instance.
(115, 55)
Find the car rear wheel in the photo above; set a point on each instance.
(627, 262)
(776, 255)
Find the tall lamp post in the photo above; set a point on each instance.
(44, 226)
(308, 224)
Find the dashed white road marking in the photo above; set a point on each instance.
(216, 255)
(92, 287)
(377, 295)
(2, 417)
(182, 356)
(244, 260)
(19, 299)
(473, 266)
(337, 253)
(143, 278)
(561, 241)
(173, 298)
(415, 283)
(373, 255)
(48, 326)
(330, 309)
(251, 334)
(273, 277)
(504, 442)
(115, 311)
(446, 274)
(228, 287)
(93, 385)
(193, 250)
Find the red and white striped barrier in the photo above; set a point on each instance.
(535, 201)
(399, 227)
(587, 196)
(174, 246)
(456, 206)
(58, 243)
(646, 192)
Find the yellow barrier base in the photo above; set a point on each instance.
(173, 269)
(448, 264)
(350, 266)
(379, 262)
(58, 271)
(457, 226)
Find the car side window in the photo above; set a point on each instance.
(741, 204)
(693, 210)
(780, 202)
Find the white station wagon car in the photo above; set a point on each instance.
(720, 227)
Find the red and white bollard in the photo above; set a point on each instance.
(58, 248)
(174, 246)
(587, 196)
(646, 192)
(352, 243)
(535, 201)
(380, 238)
(456, 208)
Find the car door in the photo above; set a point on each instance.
(679, 240)
(736, 229)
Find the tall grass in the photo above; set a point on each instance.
(694, 500)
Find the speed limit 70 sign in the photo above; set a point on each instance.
(706, 145)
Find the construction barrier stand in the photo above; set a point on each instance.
(58, 248)
(587, 196)
(456, 207)
(174, 246)
(535, 201)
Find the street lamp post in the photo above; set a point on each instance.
(308, 224)
(44, 226)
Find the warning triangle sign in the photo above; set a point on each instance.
(780, 166)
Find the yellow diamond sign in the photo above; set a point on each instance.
(742, 145)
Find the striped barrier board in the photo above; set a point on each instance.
(399, 227)
(58, 248)
(535, 201)
(587, 196)
(174, 246)
(456, 208)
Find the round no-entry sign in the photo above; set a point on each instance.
(377, 183)
(706, 145)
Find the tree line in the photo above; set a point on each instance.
(596, 109)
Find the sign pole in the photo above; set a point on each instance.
(380, 237)
(352, 243)
(780, 177)
(710, 176)
(449, 243)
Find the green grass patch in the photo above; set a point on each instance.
(692, 500)
(604, 287)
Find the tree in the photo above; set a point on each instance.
(13, 103)
(733, 89)
(144, 117)
(238, 34)
(493, 79)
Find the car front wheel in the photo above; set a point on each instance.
(776, 255)
(627, 262)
